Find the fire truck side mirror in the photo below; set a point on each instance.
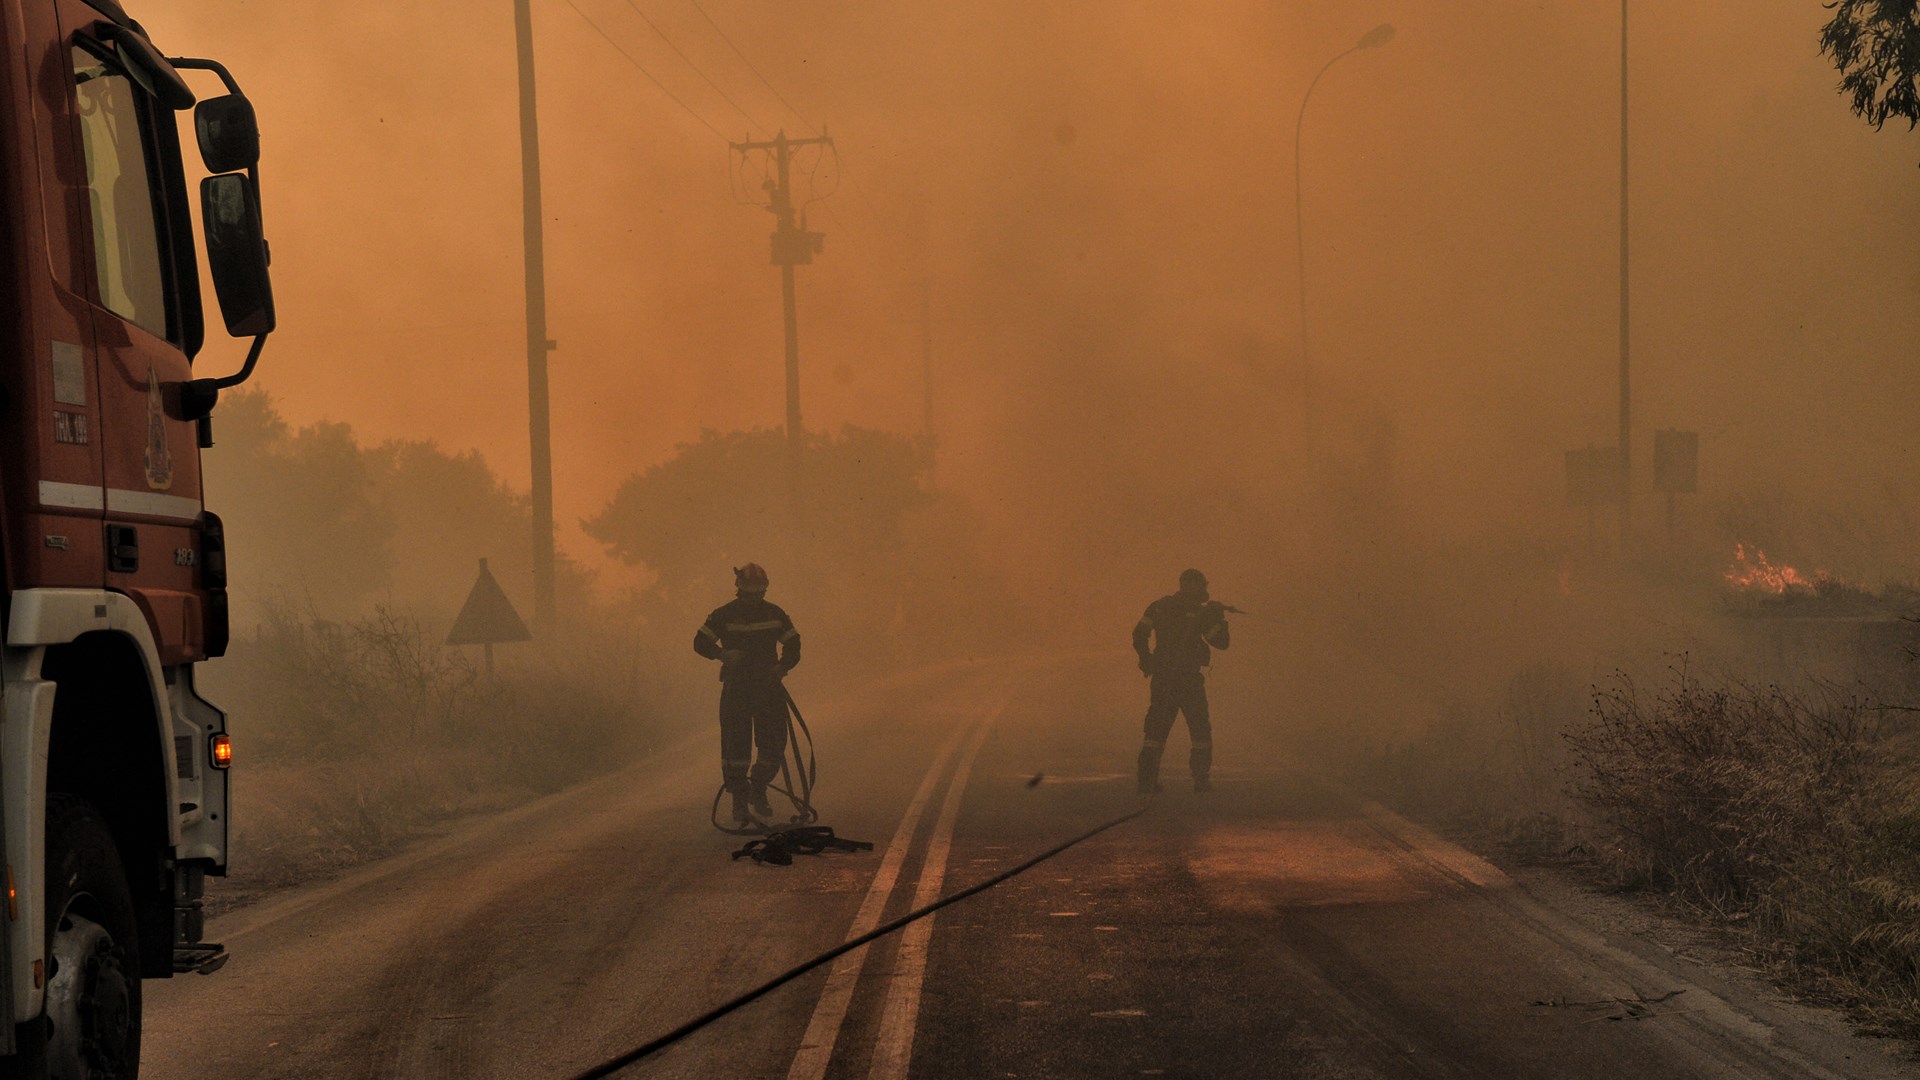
(237, 254)
(228, 133)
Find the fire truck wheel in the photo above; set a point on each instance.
(93, 974)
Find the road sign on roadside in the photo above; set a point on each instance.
(487, 618)
(1676, 470)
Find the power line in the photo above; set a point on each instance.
(696, 68)
(885, 222)
(750, 67)
(642, 70)
(735, 163)
(813, 178)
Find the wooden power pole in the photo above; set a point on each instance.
(926, 378)
(793, 246)
(1626, 310)
(539, 429)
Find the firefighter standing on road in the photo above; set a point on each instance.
(1185, 628)
(756, 645)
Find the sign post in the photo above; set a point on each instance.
(1676, 468)
(487, 618)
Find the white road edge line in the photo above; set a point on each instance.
(893, 1046)
(823, 1030)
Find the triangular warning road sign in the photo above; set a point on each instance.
(488, 617)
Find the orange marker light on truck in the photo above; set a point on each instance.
(222, 750)
(13, 905)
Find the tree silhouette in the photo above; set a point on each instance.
(727, 499)
(879, 569)
(314, 517)
(1876, 46)
(303, 515)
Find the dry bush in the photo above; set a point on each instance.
(1789, 812)
(308, 689)
(355, 735)
(1714, 791)
(325, 689)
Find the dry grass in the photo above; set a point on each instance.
(357, 737)
(1790, 815)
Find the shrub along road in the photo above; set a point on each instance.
(1275, 927)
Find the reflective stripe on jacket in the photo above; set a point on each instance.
(760, 632)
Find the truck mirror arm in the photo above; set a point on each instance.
(197, 396)
(194, 63)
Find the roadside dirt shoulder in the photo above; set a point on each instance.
(1697, 955)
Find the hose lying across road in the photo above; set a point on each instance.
(608, 1068)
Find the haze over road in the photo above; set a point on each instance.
(1274, 928)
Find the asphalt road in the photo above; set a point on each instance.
(1275, 927)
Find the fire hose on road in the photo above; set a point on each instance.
(799, 769)
(797, 775)
(610, 1067)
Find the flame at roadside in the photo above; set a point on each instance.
(1753, 571)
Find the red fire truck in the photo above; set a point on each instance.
(113, 770)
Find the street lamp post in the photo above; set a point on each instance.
(1626, 311)
(1374, 38)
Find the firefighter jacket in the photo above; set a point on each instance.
(1184, 633)
(759, 633)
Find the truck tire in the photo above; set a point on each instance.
(92, 1017)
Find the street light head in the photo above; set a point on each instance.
(1377, 37)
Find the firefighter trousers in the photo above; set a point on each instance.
(753, 714)
(1170, 693)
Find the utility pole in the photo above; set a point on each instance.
(1626, 328)
(793, 246)
(926, 373)
(540, 434)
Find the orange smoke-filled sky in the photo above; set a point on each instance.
(1098, 198)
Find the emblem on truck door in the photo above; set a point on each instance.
(159, 458)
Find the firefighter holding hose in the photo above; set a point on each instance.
(756, 645)
(1184, 629)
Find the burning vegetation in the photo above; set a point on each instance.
(1762, 587)
(1755, 572)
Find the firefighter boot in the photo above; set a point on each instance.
(741, 815)
(1150, 769)
(758, 801)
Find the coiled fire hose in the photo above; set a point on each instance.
(796, 781)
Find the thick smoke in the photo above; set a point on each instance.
(1099, 200)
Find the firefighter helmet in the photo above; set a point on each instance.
(750, 578)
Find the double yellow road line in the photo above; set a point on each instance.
(893, 1047)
